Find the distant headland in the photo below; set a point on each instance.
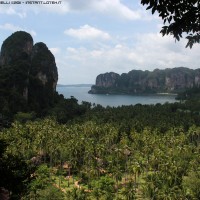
(173, 80)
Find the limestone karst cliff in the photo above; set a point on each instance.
(28, 74)
(15, 48)
(137, 81)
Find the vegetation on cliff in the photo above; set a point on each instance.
(28, 76)
(143, 82)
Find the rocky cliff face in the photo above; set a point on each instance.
(107, 80)
(180, 78)
(16, 47)
(28, 73)
(137, 81)
(43, 66)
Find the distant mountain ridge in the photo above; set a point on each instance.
(141, 82)
(74, 85)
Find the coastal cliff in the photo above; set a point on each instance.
(140, 82)
(28, 74)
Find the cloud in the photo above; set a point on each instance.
(80, 5)
(55, 8)
(155, 51)
(87, 32)
(114, 8)
(9, 10)
(146, 52)
(109, 7)
(55, 50)
(22, 10)
(13, 28)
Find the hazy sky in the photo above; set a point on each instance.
(89, 37)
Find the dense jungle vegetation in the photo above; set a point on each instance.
(91, 152)
(87, 152)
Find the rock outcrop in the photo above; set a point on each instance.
(137, 81)
(43, 65)
(15, 48)
(28, 74)
(107, 80)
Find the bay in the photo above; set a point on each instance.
(81, 94)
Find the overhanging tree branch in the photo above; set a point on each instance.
(179, 16)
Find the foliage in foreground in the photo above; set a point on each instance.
(106, 161)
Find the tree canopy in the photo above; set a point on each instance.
(179, 17)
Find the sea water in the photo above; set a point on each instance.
(114, 100)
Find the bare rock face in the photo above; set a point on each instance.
(28, 74)
(43, 65)
(178, 79)
(197, 78)
(107, 80)
(105, 83)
